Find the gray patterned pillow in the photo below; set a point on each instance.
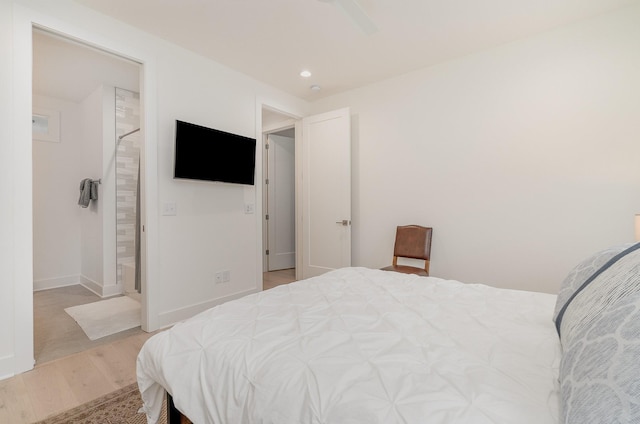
(582, 272)
(600, 335)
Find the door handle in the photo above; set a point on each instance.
(344, 222)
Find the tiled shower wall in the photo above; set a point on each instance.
(127, 163)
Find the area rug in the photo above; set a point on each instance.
(119, 407)
(105, 317)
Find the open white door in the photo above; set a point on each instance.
(281, 202)
(326, 192)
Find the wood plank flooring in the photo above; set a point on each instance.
(276, 278)
(67, 382)
(56, 334)
(63, 383)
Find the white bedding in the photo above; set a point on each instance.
(361, 346)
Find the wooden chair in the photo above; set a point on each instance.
(412, 241)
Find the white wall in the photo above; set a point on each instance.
(210, 233)
(91, 219)
(57, 170)
(7, 280)
(73, 245)
(107, 171)
(524, 158)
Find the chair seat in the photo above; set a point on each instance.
(405, 269)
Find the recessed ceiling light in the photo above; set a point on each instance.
(305, 74)
(315, 87)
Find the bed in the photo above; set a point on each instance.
(358, 345)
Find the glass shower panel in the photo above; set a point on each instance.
(127, 189)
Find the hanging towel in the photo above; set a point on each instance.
(94, 190)
(88, 192)
(85, 192)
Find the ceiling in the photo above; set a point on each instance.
(273, 40)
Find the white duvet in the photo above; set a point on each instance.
(361, 346)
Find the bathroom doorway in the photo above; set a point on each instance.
(83, 100)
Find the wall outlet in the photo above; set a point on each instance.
(169, 209)
(217, 278)
(226, 276)
(249, 208)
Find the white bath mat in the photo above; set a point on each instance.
(100, 319)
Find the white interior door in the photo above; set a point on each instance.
(326, 192)
(281, 202)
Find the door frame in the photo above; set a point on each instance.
(109, 145)
(25, 21)
(295, 114)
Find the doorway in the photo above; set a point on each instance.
(76, 244)
(279, 220)
(280, 200)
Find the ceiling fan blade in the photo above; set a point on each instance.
(359, 17)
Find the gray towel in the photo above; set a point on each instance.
(85, 192)
(88, 192)
(94, 190)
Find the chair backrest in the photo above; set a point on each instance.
(413, 241)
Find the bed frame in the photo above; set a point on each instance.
(173, 415)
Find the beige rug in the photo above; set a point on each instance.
(106, 317)
(119, 407)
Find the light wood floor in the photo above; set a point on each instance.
(69, 381)
(65, 383)
(276, 278)
(56, 334)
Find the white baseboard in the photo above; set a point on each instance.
(99, 289)
(112, 290)
(7, 367)
(11, 365)
(72, 280)
(91, 285)
(168, 318)
(52, 283)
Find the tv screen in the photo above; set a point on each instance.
(212, 155)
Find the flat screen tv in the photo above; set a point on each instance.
(208, 154)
